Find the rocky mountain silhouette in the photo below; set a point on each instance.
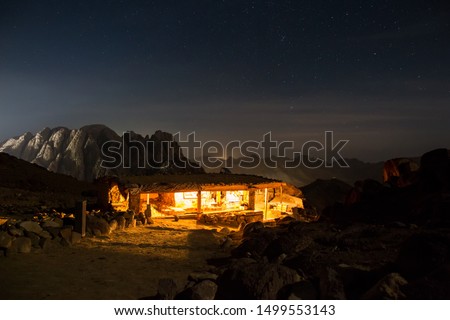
(79, 153)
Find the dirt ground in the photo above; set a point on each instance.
(125, 265)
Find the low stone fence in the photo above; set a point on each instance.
(231, 219)
(25, 236)
(46, 231)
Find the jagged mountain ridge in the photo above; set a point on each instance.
(78, 152)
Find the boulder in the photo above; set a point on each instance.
(252, 228)
(31, 226)
(53, 231)
(256, 244)
(113, 225)
(121, 221)
(287, 219)
(226, 243)
(21, 245)
(358, 280)
(167, 289)
(200, 276)
(48, 245)
(5, 240)
(432, 287)
(302, 290)
(131, 223)
(15, 232)
(75, 238)
(225, 231)
(251, 279)
(204, 290)
(129, 214)
(101, 224)
(331, 285)
(400, 172)
(141, 219)
(66, 236)
(389, 287)
(45, 244)
(435, 170)
(35, 239)
(53, 224)
(129, 217)
(45, 234)
(287, 244)
(250, 248)
(422, 253)
(302, 261)
(59, 221)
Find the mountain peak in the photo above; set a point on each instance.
(95, 127)
(160, 135)
(79, 152)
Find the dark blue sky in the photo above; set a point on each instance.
(374, 72)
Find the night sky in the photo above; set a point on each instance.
(374, 72)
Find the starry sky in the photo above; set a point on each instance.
(375, 72)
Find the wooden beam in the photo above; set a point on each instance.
(199, 204)
(269, 185)
(265, 203)
(80, 218)
(251, 200)
(281, 198)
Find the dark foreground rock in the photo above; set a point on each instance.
(250, 279)
(167, 289)
(323, 260)
(203, 290)
(389, 287)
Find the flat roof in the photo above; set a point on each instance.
(197, 182)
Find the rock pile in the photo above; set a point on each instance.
(199, 286)
(46, 231)
(231, 219)
(103, 223)
(422, 198)
(320, 260)
(38, 235)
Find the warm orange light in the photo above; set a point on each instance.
(117, 199)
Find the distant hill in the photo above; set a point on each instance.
(27, 185)
(301, 176)
(78, 152)
(324, 193)
(17, 173)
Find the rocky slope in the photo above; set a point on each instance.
(78, 152)
(26, 187)
(386, 243)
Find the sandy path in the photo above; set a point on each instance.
(125, 265)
